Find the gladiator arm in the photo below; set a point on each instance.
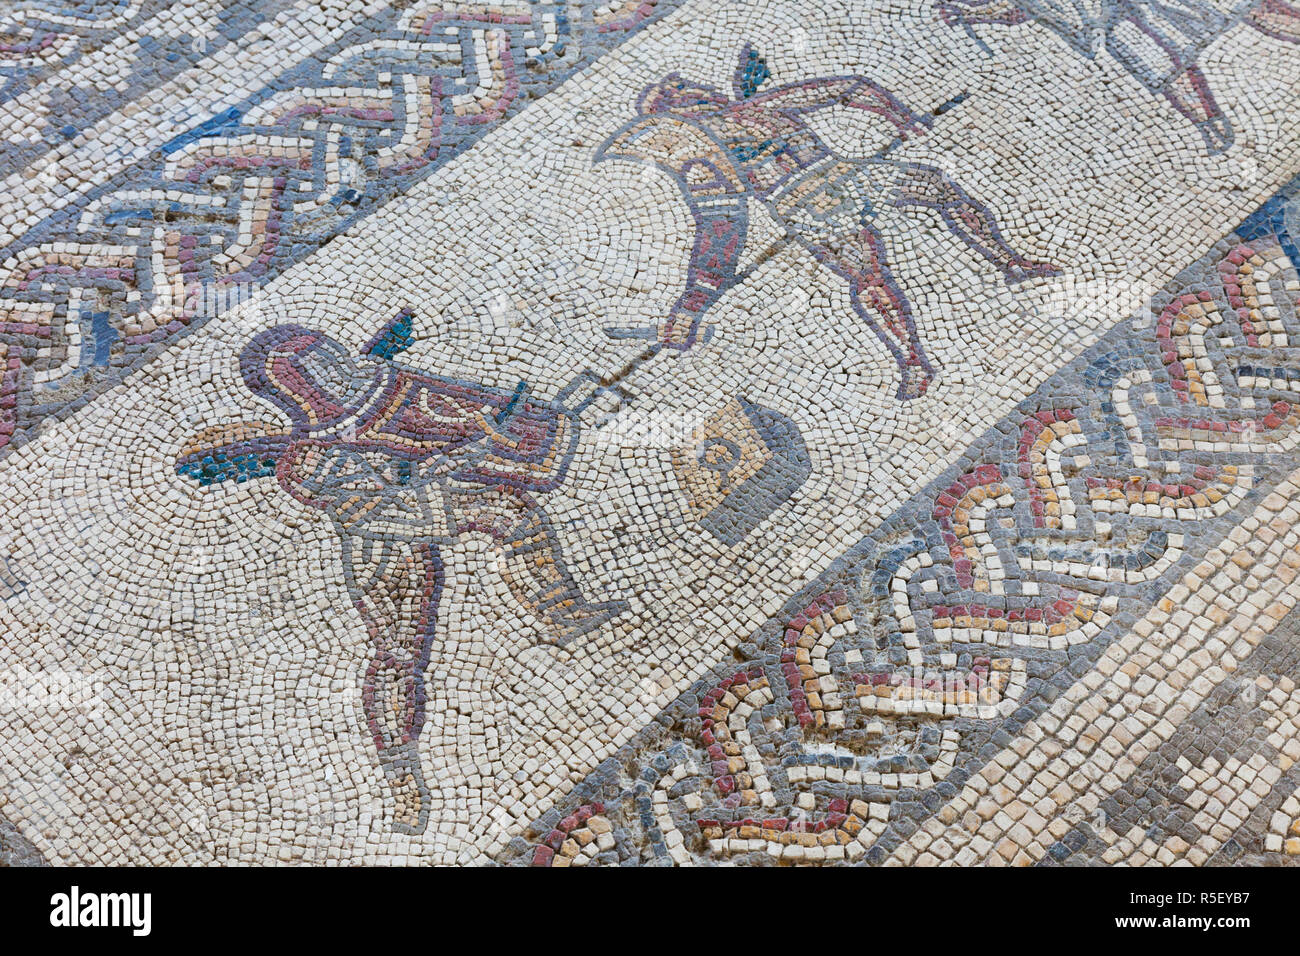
(956, 13)
(232, 452)
(854, 92)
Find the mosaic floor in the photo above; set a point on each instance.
(605, 432)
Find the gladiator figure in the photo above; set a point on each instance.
(404, 463)
(726, 151)
(1157, 42)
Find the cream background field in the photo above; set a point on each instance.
(216, 621)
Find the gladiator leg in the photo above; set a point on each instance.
(396, 586)
(970, 221)
(1189, 93)
(719, 239)
(1156, 64)
(1277, 19)
(532, 562)
(861, 260)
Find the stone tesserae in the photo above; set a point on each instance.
(666, 432)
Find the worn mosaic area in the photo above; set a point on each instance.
(675, 432)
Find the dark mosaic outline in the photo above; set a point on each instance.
(158, 60)
(581, 43)
(621, 784)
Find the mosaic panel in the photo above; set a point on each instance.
(866, 706)
(650, 433)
